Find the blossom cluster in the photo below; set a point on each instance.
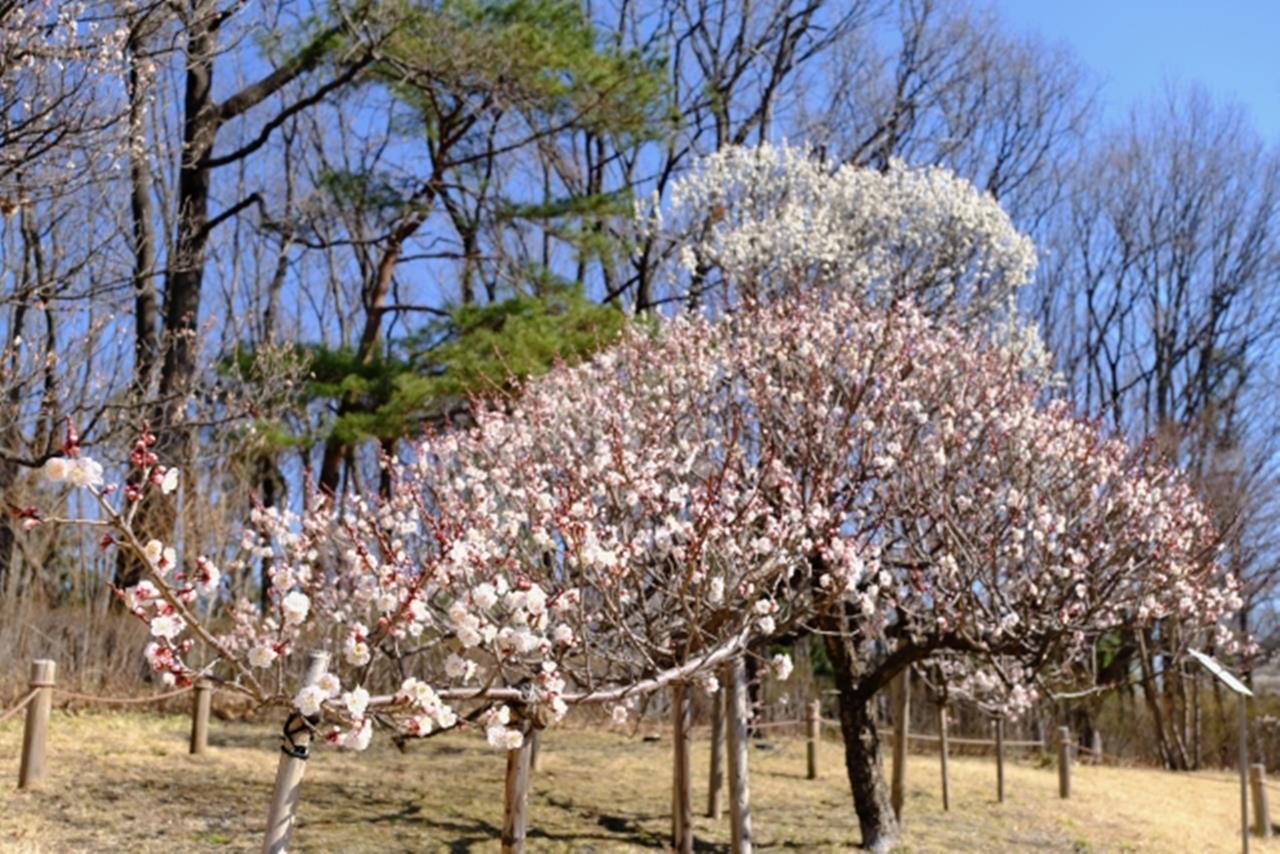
(750, 224)
(689, 491)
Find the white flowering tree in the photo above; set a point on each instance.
(816, 463)
(755, 223)
(1019, 536)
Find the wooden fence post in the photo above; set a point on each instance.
(716, 777)
(999, 724)
(1095, 747)
(901, 726)
(681, 800)
(735, 682)
(201, 699)
(1064, 762)
(813, 724)
(293, 763)
(515, 804)
(942, 751)
(1261, 807)
(36, 731)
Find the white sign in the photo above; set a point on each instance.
(1224, 675)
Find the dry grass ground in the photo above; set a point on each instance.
(125, 783)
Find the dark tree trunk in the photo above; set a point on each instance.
(146, 345)
(156, 516)
(862, 759)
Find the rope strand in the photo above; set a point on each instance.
(22, 704)
(123, 701)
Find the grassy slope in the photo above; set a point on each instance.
(124, 782)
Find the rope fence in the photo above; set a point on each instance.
(38, 703)
(42, 689)
(123, 701)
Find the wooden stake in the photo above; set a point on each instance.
(284, 799)
(1095, 747)
(515, 813)
(1064, 762)
(200, 701)
(942, 752)
(1261, 807)
(813, 724)
(1243, 738)
(999, 724)
(901, 725)
(716, 777)
(36, 732)
(682, 795)
(736, 706)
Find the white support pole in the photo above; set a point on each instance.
(735, 683)
(293, 763)
(1244, 774)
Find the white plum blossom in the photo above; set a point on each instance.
(295, 606)
(356, 701)
(357, 738)
(167, 626)
(310, 699)
(459, 668)
(141, 593)
(330, 684)
(356, 653)
(55, 469)
(262, 656)
(163, 559)
(504, 738)
(781, 666)
(76, 471)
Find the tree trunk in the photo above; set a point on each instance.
(863, 763)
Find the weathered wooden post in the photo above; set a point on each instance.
(1064, 762)
(36, 731)
(1095, 747)
(999, 725)
(515, 808)
(200, 701)
(736, 706)
(682, 795)
(813, 724)
(1261, 807)
(294, 749)
(942, 751)
(716, 777)
(901, 726)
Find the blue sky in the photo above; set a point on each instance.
(1231, 46)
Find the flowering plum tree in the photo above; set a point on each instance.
(821, 463)
(755, 225)
(1015, 536)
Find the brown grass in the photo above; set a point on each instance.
(125, 783)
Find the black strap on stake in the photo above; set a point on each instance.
(294, 725)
